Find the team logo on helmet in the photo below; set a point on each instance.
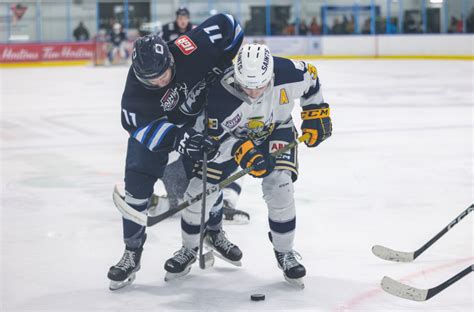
(266, 61)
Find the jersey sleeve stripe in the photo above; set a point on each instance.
(312, 91)
(142, 133)
(159, 134)
(238, 32)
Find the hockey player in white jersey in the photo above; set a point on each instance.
(250, 113)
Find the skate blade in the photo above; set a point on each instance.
(241, 220)
(218, 254)
(114, 285)
(172, 276)
(296, 282)
(209, 259)
(236, 263)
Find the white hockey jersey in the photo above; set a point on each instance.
(233, 117)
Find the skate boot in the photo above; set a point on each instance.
(234, 216)
(180, 264)
(123, 273)
(227, 251)
(292, 269)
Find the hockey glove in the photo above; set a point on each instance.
(192, 144)
(316, 122)
(246, 155)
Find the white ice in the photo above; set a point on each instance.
(398, 168)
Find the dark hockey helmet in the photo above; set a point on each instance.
(182, 11)
(150, 59)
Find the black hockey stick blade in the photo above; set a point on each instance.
(402, 256)
(404, 291)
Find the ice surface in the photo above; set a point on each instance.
(398, 168)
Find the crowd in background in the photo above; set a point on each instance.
(338, 25)
(345, 24)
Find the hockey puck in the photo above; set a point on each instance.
(257, 297)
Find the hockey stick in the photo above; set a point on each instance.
(407, 292)
(401, 256)
(202, 227)
(144, 220)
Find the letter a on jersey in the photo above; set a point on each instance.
(283, 97)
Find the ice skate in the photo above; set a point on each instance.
(123, 273)
(225, 249)
(234, 216)
(180, 264)
(293, 271)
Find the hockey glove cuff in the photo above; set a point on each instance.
(247, 155)
(317, 122)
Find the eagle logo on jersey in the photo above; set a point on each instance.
(312, 71)
(256, 129)
(186, 45)
(171, 97)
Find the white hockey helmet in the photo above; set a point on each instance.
(253, 68)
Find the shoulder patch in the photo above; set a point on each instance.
(283, 97)
(312, 71)
(186, 45)
(213, 123)
(234, 121)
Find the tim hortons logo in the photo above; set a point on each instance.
(186, 45)
(170, 99)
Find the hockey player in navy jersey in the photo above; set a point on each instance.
(163, 94)
(179, 26)
(250, 112)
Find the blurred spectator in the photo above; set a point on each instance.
(459, 26)
(453, 25)
(366, 26)
(392, 26)
(314, 27)
(337, 27)
(410, 25)
(81, 33)
(181, 25)
(470, 22)
(303, 28)
(289, 30)
(350, 25)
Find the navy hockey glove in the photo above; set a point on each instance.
(316, 122)
(246, 155)
(192, 144)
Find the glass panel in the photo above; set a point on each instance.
(84, 12)
(54, 21)
(23, 21)
(458, 12)
(470, 16)
(392, 11)
(412, 17)
(311, 13)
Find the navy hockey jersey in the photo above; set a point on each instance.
(207, 49)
